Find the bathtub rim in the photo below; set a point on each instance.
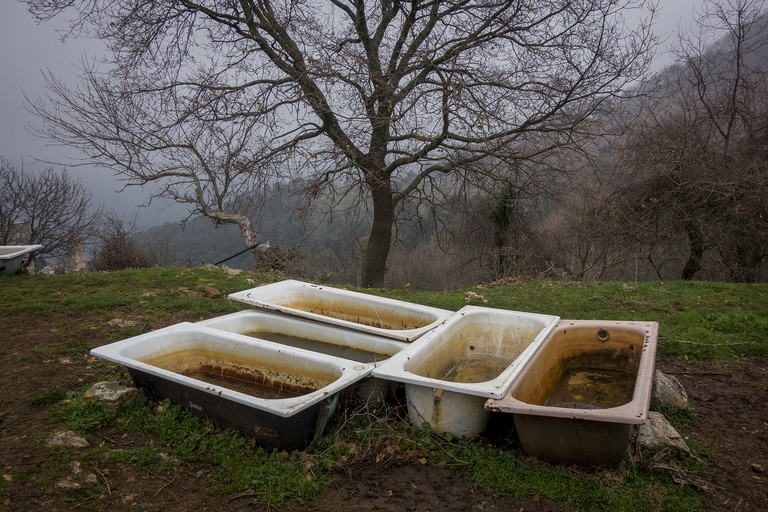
(394, 368)
(324, 329)
(349, 371)
(634, 412)
(262, 297)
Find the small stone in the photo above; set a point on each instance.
(231, 271)
(121, 323)
(474, 297)
(668, 390)
(111, 393)
(68, 484)
(8, 478)
(657, 434)
(67, 438)
(757, 468)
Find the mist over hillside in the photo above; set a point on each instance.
(476, 235)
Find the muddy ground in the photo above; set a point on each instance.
(729, 398)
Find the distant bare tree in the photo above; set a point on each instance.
(697, 163)
(116, 248)
(377, 96)
(48, 208)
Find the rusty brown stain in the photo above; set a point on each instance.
(360, 314)
(241, 373)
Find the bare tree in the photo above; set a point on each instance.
(697, 161)
(378, 96)
(158, 137)
(116, 248)
(47, 208)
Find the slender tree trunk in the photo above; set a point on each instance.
(696, 243)
(377, 250)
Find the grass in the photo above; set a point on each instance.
(700, 320)
(697, 320)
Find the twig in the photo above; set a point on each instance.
(169, 482)
(246, 494)
(103, 478)
(732, 344)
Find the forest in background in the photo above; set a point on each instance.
(665, 180)
(678, 191)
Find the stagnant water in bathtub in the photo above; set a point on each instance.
(353, 354)
(477, 369)
(251, 383)
(592, 388)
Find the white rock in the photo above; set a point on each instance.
(668, 390)
(66, 438)
(657, 434)
(111, 393)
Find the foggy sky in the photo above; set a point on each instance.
(27, 49)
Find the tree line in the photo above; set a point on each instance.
(511, 138)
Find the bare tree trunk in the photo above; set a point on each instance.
(379, 242)
(246, 230)
(696, 242)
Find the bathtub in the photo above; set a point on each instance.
(12, 256)
(281, 396)
(578, 397)
(317, 337)
(451, 371)
(381, 316)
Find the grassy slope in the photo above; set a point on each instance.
(697, 320)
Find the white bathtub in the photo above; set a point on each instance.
(301, 392)
(381, 316)
(12, 256)
(494, 342)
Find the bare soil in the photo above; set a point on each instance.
(729, 399)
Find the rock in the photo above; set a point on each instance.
(231, 271)
(474, 297)
(67, 438)
(122, 323)
(668, 390)
(111, 393)
(657, 434)
(67, 484)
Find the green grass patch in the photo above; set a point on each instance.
(175, 436)
(698, 320)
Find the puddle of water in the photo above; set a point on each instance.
(476, 369)
(592, 388)
(251, 383)
(350, 353)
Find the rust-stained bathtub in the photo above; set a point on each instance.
(280, 395)
(578, 397)
(451, 371)
(381, 316)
